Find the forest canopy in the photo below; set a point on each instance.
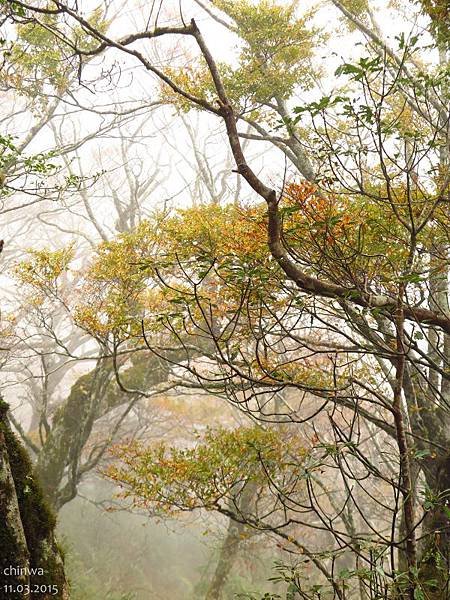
(226, 292)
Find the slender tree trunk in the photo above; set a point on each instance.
(227, 557)
(406, 478)
(231, 544)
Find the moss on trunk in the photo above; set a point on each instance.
(29, 552)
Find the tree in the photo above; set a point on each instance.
(31, 558)
(369, 303)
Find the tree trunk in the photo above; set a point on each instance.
(435, 546)
(229, 549)
(29, 554)
(91, 396)
(227, 557)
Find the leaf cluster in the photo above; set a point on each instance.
(171, 479)
(276, 50)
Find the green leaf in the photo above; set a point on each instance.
(418, 454)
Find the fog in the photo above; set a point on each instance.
(224, 322)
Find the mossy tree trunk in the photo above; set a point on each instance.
(59, 462)
(29, 554)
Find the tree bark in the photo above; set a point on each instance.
(231, 544)
(227, 557)
(29, 553)
(92, 396)
(435, 544)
